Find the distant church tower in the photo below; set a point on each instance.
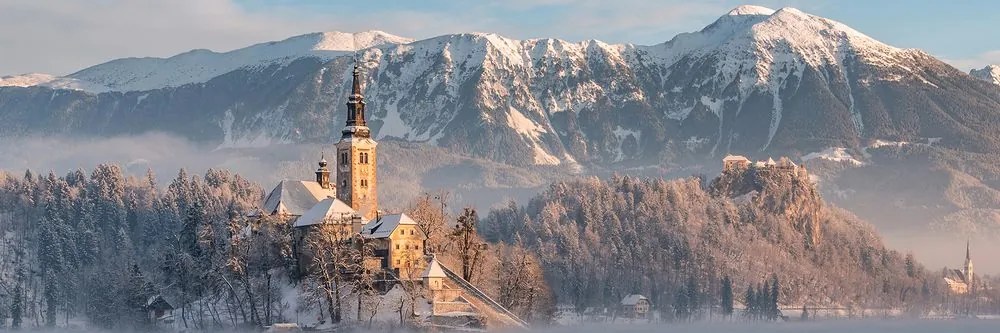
(356, 157)
(968, 265)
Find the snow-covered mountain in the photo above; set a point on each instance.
(756, 81)
(990, 73)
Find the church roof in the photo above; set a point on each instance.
(433, 270)
(327, 210)
(385, 225)
(633, 299)
(735, 158)
(295, 197)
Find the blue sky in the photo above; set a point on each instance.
(61, 36)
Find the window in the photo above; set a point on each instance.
(411, 232)
(397, 246)
(397, 262)
(343, 158)
(344, 183)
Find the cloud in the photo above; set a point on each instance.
(975, 62)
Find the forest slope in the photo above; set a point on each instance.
(603, 239)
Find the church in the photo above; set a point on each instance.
(960, 281)
(351, 199)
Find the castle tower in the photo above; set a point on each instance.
(323, 174)
(356, 156)
(968, 270)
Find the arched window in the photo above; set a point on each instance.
(344, 183)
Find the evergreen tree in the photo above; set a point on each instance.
(681, 305)
(693, 297)
(750, 302)
(775, 312)
(16, 307)
(911, 266)
(726, 296)
(763, 298)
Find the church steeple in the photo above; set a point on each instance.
(323, 173)
(356, 108)
(356, 156)
(968, 263)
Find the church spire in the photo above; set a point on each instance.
(968, 252)
(356, 101)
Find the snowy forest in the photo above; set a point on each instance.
(97, 249)
(691, 244)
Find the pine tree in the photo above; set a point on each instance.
(775, 312)
(681, 305)
(694, 301)
(763, 298)
(750, 302)
(16, 307)
(911, 266)
(726, 297)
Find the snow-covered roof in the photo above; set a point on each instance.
(735, 158)
(327, 210)
(385, 225)
(433, 270)
(633, 299)
(295, 197)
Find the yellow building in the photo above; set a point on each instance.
(399, 241)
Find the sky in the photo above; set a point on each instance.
(62, 36)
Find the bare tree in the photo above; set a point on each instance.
(429, 211)
(470, 246)
(332, 254)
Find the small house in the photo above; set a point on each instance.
(635, 306)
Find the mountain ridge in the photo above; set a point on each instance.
(756, 80)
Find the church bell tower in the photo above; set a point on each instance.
(356, 156)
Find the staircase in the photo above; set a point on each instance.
(494, 312)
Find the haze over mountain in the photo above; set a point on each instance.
(757, 81)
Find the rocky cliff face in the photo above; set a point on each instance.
(755, 81)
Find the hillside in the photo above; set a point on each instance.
(602, 239)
